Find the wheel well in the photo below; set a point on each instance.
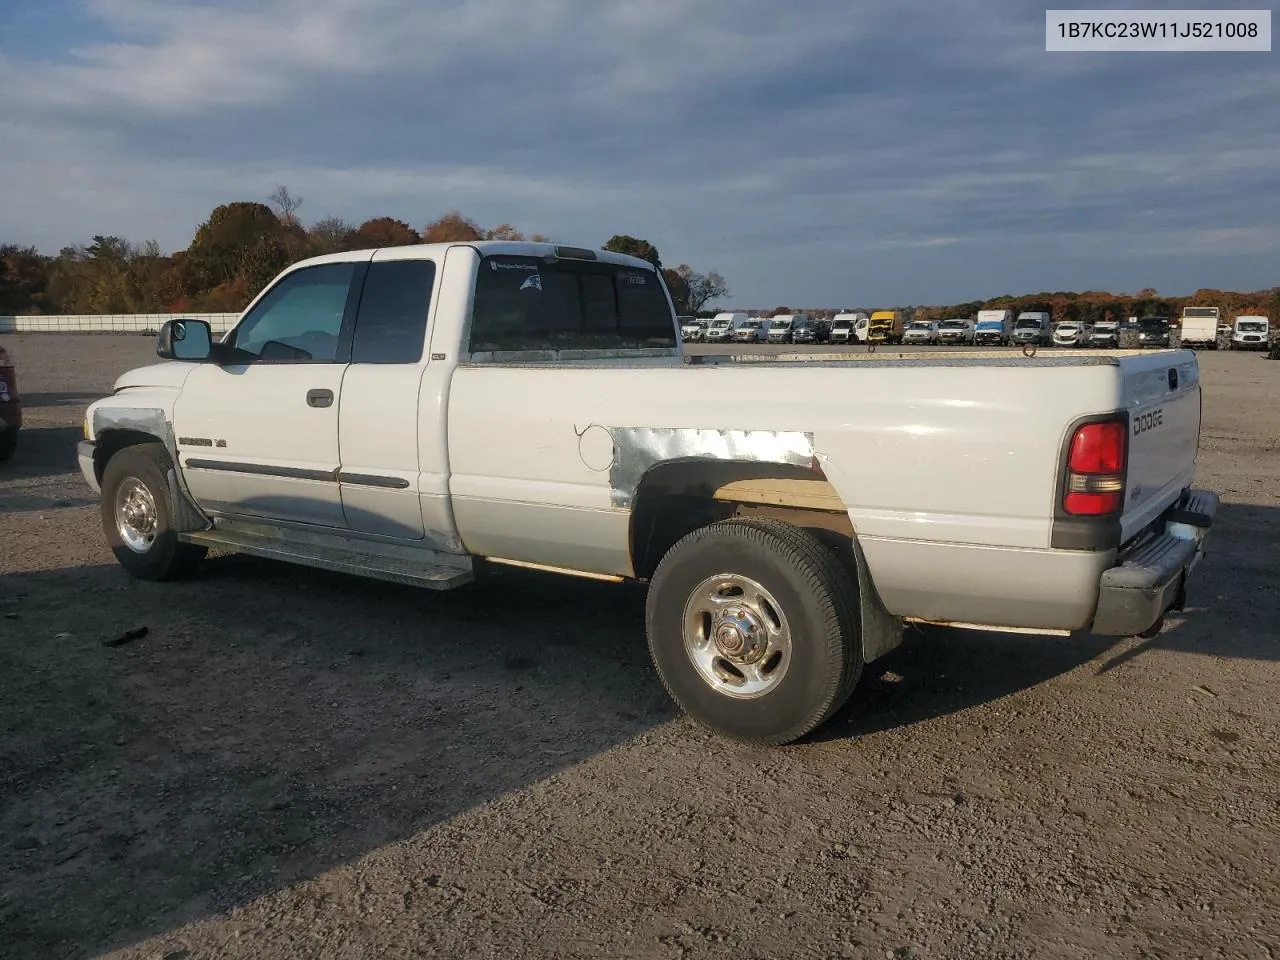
(674, 499)
(111, 442)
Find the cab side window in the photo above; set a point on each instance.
(391, 325)
(299, 320)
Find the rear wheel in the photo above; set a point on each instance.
(8, 444)
(137, 515)
(753, 629)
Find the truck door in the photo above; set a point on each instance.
(378, 422)
(259, 437)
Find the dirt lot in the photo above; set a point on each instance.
(294, 764)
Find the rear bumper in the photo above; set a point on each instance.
(1150, 577)
(84, 457)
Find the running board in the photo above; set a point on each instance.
(414, 566)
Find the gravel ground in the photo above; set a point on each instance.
(296, 764)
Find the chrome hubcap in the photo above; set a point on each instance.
(737, 636)
(136, 520)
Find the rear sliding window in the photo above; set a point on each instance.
(527, 303)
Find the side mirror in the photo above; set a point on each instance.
(184, 340)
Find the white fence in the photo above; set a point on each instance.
(111, 323)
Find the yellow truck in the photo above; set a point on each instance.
(886, 326)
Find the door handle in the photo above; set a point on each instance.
(319, 398)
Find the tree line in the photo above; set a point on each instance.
(237, 252)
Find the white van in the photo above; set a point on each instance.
(955, 330)
(1251, 333)
(750, 330)
(921, 331)
(781, 325)
(1071, 333)
(849, 327)
(721, 327)
(1034, 326)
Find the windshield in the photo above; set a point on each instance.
(779, 324)
(1153, 324)
(919, 325)
(749, 324)
(1252, 326)
(953, 324)
(719, 323)
(840, 325)
(1024, 322)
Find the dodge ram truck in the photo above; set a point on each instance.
(422, 413)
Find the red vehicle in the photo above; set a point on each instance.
(10, 407)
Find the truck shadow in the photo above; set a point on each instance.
(274, 722)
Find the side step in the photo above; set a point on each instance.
(419, 567)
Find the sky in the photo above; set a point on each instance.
(814, 153)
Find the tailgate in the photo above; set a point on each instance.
(1162, 397)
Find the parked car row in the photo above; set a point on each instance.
(991, 328)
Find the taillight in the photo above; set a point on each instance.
(1095, 469)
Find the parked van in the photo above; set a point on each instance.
(1033, 327)
(751, 330)
(921, 331)
(721, 327)
(1200, 327)
(1105, 333)
(955, 330)
(886, 326)
(1071, 333)
(691, 328)
(849, 327)
(994, 326)
(781, 325)
(1251, 333)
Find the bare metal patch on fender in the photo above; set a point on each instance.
(637, 449)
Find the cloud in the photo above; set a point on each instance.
(812, 152)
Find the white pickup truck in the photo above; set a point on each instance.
(418, 413)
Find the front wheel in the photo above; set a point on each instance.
(753, 628)
(138, 512)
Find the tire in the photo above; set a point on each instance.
(138, 474)
(8, 444)
(808, 592)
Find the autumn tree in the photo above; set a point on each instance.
(679, 289)
(386, 232)
(24, 280)
(453, 227)
(633, 247)
(236, 252)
